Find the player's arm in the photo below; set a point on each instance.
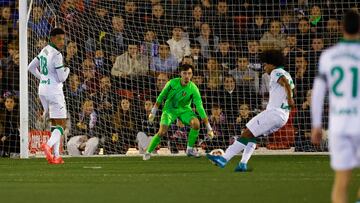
(200, 109)
(33, 67)
(285, 83)
(61, 71)
(317, 102)
(163, 94)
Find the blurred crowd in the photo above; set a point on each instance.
(122, 53)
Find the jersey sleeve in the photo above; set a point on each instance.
(318, 93)
(164, 92)
(61, 71)
(33, 68)
(198, 102)
(276, 74)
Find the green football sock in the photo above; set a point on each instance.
(192, 137)
(153, 143)
(243, 140)
(253, 140)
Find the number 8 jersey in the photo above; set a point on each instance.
(52, 71)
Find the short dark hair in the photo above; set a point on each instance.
(56, 31)
(185, 67)
(273, 56)
(351, 22)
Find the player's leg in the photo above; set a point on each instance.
(262, 124)
(358, 196)
(58, 114)
(193, 135)
(167, 118)
(45, 147)
(340, 186)
(91, 146)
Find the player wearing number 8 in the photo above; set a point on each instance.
(49, 68)
(339, 73)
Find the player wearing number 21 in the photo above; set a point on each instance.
(49, 68)
(339, 74)
(273, 118)
(179, 94)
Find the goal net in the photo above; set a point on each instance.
(122, 53)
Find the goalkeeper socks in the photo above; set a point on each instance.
(248, 151)
(192, 137)
(233, 150)
(56, 132)
(153, 143)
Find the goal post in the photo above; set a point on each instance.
(122, 53)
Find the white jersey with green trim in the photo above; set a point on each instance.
(52, 70)
(339, 67)
(277, 93)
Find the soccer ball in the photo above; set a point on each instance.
(217, 152)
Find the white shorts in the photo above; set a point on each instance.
(54, 105)
(267, 122)
(344, 152)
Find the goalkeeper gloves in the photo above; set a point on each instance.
(210, 131)
(152, 114)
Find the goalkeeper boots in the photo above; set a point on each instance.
(47, 152)
(217, 160)
(241, 167)
(192, 153)
(146, 156)
(57, 160)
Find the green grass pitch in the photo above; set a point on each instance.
(168, 179)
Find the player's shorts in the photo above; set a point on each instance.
(344, 152)
(169, 116)
(267, 122)
(54, 105)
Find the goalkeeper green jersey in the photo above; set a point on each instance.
(178, 97)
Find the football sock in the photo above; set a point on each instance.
(153, 143)
(192, 137)
(233, 150)
(57, 149)
(56, 132)
(248, 151)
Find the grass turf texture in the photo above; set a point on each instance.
(168, 179)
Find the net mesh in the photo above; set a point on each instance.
(122, 53)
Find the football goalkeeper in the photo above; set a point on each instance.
(178, 94)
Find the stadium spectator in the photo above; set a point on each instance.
(217, 120)
(287, 23)
(246, 78)
(244, 116)
(179, 45)
(208, 41)
(273, 38)
(102, 63)
(197, 19)
(302, 78)
(230, 98)
(11, 75)
(256, 27)
(149, 46)
(198, 79)
(90, 80)
(114, 41)
(165, 62)
(131, 63)
(146, 130)
(198, 58)
(225, 56)
(133, 19)
(75, 93)
(72, 57)
(124, 128)
(157, 21)
(316, 19)
(332, 31)
(223, 20)
(85, 140)
(303, 34)
(38, 23)
(9, 125)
